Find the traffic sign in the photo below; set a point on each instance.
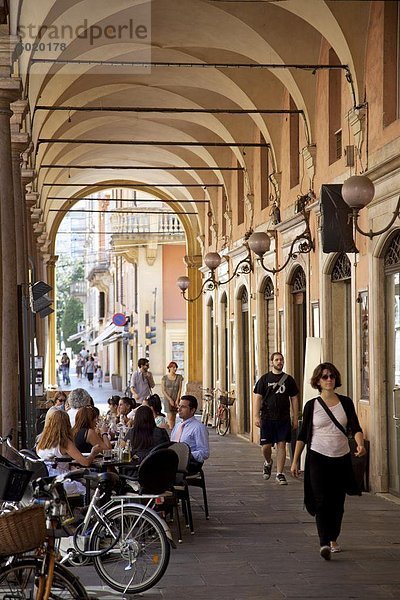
(119, 319)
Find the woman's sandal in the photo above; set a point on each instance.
(336, 548)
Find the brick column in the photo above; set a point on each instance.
(9, 92)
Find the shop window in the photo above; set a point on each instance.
(102, 305)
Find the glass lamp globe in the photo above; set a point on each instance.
(212, 260)
(358, 191)
(183, 283)
(259, 243)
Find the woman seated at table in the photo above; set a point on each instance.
(145, 435)
(55, 442)
(113, 402)
(126, 407)
(85, 433)
(154, 401)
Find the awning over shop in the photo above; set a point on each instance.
(113, 338)
(106, 333)
(82, 336)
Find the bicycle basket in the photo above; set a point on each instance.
(13, 481)
(226, 400)
(22, 530)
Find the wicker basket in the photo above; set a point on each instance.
(226, 400)
(22, 530)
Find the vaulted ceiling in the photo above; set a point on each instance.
(205, 32)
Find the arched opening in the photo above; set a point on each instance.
(341, 316)
(299, 332)
(210, 321)
(224, 344)
(267, 329)
(392, 299)
(244, 359)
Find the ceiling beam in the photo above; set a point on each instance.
(145, 168)
(153, 143)
(142, 109)
(135, 185)
(124, 200)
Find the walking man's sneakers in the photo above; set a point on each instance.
(267, 470)
(281, 479)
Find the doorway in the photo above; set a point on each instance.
(392, 297)
(299, 334)
(245, 362)
(342, 337)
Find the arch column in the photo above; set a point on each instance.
(19, 143)
(9, 90)
(50, 370)
(195, 326)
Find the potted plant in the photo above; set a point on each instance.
(107, 377)
(116, 382)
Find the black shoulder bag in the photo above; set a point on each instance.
(358, 463)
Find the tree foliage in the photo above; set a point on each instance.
(67, 275)
(73, 314)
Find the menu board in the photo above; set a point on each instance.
(178, 355)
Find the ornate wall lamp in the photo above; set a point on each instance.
(260, 241)
(358, 191)
(212, 260)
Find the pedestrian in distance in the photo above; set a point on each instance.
(99, 376)
(171, 389)
(328, 474)
(276, 397)
(65, 363)
(90, 370)
(142, 381)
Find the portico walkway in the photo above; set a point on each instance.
(260, 544)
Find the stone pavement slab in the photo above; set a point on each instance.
(260, 544)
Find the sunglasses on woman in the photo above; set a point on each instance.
(325, 377)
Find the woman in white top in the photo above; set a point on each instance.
(55, 442)
(328, 474)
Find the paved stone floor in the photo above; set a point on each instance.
(260, 544)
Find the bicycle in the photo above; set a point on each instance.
(37, 576)
(208, 404)
(128, 542)
(223, 423)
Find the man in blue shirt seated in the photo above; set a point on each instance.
(191, 431)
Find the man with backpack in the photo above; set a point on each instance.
(275, 393)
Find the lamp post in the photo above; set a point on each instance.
(358, 191)
(260, 241)
(212, 260)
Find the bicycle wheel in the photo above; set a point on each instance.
(19, 579)
(206, 411)
(223, 420)
(140, 557)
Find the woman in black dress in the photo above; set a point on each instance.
(328, 473)
(85, 433)
(145, 435)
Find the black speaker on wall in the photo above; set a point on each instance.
(337, 228)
